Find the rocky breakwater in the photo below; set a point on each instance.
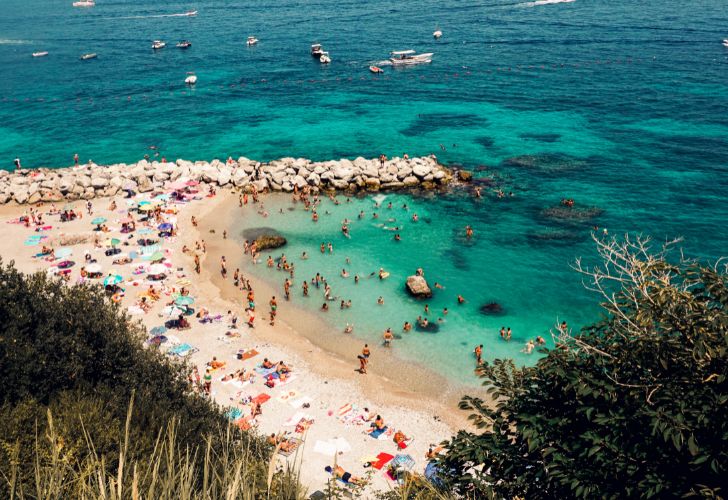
(91, 180)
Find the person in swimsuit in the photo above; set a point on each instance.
(340, 473)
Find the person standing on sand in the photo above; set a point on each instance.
(75, 159)
(223, 267)
(364, 359)
(197, 264)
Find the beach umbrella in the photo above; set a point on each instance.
(31, 242)
(98, 220)
(158, 330)
(155, 269)
(145, 208)
(63, 252)
(162, 197)
(112, 242)
(165, 226)
(112, 280)
(93, 268)
(144, 230)
(184, 300)
(65, 264)
(154, 256)
(192, 183)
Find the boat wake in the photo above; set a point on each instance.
(151, 16)
(14, 42)
(543, 2)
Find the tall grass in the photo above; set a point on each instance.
(229, 469)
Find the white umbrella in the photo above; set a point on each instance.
(93, 268)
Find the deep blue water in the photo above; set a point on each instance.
(621, 105)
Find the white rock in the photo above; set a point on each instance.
(99, 182)
(421, 170)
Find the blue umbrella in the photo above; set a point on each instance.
(112, 280)
(144, 230)
(158, 330)
(166, 226)
(184, 300)
(162, 197)
(98, 220)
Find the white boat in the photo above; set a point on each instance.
(190, 13)
(84, 3)
(316, 50)
(437, 34)
(409, 58)
(86, 57)
(251, 41)
(376, 69)
(191, 79)
(725, 42)
(325, 58)
(40, 54)
(158, 44)
(184, 44)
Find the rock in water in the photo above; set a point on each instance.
(417, 286)
(492, 309)
(265, 237)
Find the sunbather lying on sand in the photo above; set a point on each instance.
(284, 444)
(215, 364)
(340, 473)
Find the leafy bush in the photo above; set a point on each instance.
(635, 406)
(71, 358)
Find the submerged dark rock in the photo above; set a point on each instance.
(572, 214)
(492, 309)
(541, 137)
(265, 237)
(554, 237)
(548, 163)
(430, 327)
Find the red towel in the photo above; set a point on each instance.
(382, 460)
(262, 398)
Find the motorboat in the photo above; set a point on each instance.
(251, 41)
(437, 34)
(316, 50)
(376, 69)
(184, 44)
(190, 13)
(40, 54)
(325, 58)
(84, 3)
(725, 42)
(409, 58)
(158, 44)
(86, 57)
(191, 79)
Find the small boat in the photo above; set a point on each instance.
(184, 44)
(437, 34)
(409, 58)
(376, 69)
(190, 13)
(40, 54)
(251, 41)
(86, 57)
(725, 42)
(158, 44)
(325, 58)
(316, 50)
(84, 3)
(191, 79)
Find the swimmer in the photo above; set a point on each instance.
(407, 326)
(344, 273)
(388, 337)
(438, 285)
(461, 300)
(356, 279)
(304, 256)
(479, 354)
(415, 218)
(380, 301)
(397, 237)
(468, 231)
(349, 328)
(324, 307)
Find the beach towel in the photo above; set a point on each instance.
(294, 419)
(344, 410)
(290, 379)
(325, 448)
(298, 403)
(247, 354)
(261, 398)
(378, 432)
(404, 461)
(264, 371)
(182, 350)
(303, 425)
(341, 444)
(293, 444)
(382, 460)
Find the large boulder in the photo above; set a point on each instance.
(417, 286)
(265, 237)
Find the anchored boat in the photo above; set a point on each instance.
(184, 44)
(316, 50)
(325, 58)
(86, 57)
(252, 41)
(409, 58)
(158, 44)
(191, 79)
(40, 54)
(84, 3)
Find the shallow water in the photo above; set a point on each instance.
(621, 105)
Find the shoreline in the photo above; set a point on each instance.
(323, 374)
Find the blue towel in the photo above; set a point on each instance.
(378, 432)
(180, 349)
(234, 413)
(264, 371)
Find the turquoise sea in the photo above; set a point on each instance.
(621, 105)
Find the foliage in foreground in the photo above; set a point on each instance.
(632, 407)
(71, 363)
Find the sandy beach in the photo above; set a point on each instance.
(325, 396)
